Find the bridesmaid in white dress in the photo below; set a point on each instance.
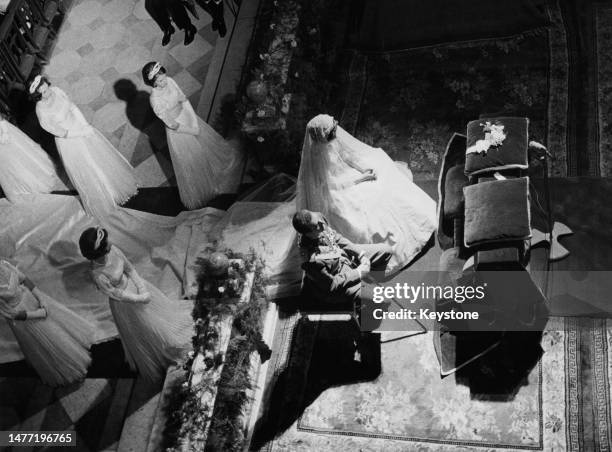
(25, 168)
(205, 164)
(100, 174)
(54, 340)
(364, 194)
(155, 331)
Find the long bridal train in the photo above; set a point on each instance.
(364, 194)
(45, 234)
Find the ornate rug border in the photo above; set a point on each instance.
(465, 443)
(603, 74)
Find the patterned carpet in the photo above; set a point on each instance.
(332, 402)
(604, 83)
(411, 102)
(97, 58)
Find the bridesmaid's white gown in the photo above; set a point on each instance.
(25, 169)
(100, 174)
(57, 347)
(154, 334)
(205, 164)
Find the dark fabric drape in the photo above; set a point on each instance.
(389, 25)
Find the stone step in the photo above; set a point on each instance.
(113, 424)
(140, 417)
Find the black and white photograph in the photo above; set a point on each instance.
(305, 225)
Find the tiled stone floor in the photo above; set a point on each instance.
(97, 58)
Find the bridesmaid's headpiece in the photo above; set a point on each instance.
(35, 83)
(94, 243)
(154, 70)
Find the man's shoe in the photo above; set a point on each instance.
(167, 34)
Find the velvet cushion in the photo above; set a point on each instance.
(497, 211)
(453, 192)
(512, 153)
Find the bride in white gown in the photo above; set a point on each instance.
(362, 192)
(205, 164)
(25, 168)
(155, 331)
(100, 174)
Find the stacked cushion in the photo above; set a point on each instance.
(497, 211)
(511, 154)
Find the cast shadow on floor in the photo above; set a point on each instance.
(321, 356)
(500, 374)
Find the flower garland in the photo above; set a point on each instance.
(187, 417)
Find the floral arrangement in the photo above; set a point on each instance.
(267, 103)
(221, 276)
(494, 137)
(293, 46)
(221, 280)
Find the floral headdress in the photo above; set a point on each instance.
(35, 84)
(154, 70)
(320, 127)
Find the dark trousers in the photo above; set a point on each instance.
(162, 11)
(215, 9)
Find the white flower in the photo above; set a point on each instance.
(293, 43)
(190, 354)
(260, 139)
(221, 289)
(261, 113)
(494, 136)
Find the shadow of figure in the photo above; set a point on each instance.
(140, 114)
(321, 356)
(76, 271)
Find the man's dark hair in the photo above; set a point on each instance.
(302, 221)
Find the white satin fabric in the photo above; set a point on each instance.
(46, 230)
(205, 164)
(390, 209)
(100, 174)
(25, 168)
(155, 334)
(57, 347)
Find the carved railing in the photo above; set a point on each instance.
(25, 29)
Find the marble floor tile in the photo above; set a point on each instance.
(85, 12)
(86, 89)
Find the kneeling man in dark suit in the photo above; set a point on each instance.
(334, 266)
